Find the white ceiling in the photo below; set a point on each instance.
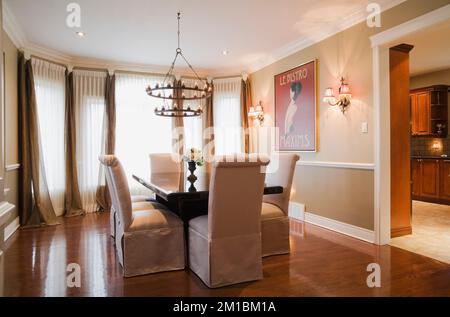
(255, 32)
(431, 49)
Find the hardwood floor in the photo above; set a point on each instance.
(322, 263)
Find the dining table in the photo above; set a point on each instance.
(186, 196)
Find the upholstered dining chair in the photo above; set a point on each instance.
(149, 238)
(274, 214)
(164, 163)
(225, 245)
(138, 202)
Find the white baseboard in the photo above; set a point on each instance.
(11, 228)
(297, 211)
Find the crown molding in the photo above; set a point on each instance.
(111, 66)
(12, 28)
(304, 42)
(393, 34)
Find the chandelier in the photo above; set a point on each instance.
(176, 91)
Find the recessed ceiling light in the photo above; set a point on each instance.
(225, 52)
(81, 34)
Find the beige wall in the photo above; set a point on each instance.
(347, 54)
(351, 193)
(11, 122)
(429, 79)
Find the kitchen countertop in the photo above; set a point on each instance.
(430, 157)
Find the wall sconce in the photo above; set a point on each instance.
(257, 113)
(344, 99)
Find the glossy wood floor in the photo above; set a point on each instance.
(322, 263)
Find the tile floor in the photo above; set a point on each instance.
(431, 232)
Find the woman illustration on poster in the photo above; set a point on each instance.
(296, 89)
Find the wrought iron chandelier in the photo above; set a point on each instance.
(176, 91)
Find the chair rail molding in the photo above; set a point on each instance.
(380, 62)
(12, 167)
(344, 165)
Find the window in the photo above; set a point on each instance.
(227, 116)
(139, 132)
(193, 127)
(50, 83)
(89, 93)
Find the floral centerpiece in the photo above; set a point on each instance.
(194, 158)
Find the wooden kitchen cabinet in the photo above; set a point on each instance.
(429, 111)
(430, 180)
(445, 180)
(429, 185)
(416, 173)
(420, 114)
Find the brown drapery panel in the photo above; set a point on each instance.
(178, 126)
(111, 113)
(102, 194)
(208, 132)
(246, 102)
(35, 204)
(73, 205)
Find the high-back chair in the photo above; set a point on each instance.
(164, 163)
(225, 245)
(138, 202)
(148, 240)
(275, 209)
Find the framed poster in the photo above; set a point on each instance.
(296, 109)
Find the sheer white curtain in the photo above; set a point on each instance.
(227, 116)
(139, 132)
(50, 83)
(89, 98)
(193, 127)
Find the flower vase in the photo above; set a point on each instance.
(192, 166)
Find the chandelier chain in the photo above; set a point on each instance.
(177, 89)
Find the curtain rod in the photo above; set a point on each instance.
(67, 67)
(49, 61)
(229, 77)
(126, 71)
(91, 69)
(122, 71)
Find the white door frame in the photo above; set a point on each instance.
(381, 43)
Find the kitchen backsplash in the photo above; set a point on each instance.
(430, 146)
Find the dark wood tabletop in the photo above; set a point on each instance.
(170, 186)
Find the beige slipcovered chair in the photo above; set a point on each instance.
(161, 162)
(225, 245)
(138, 202)
(164, 163)
(149, 238)
(275, 208)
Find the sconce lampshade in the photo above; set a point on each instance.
(257, 112)
(259, 109)
(329, 95)
(344, 91)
